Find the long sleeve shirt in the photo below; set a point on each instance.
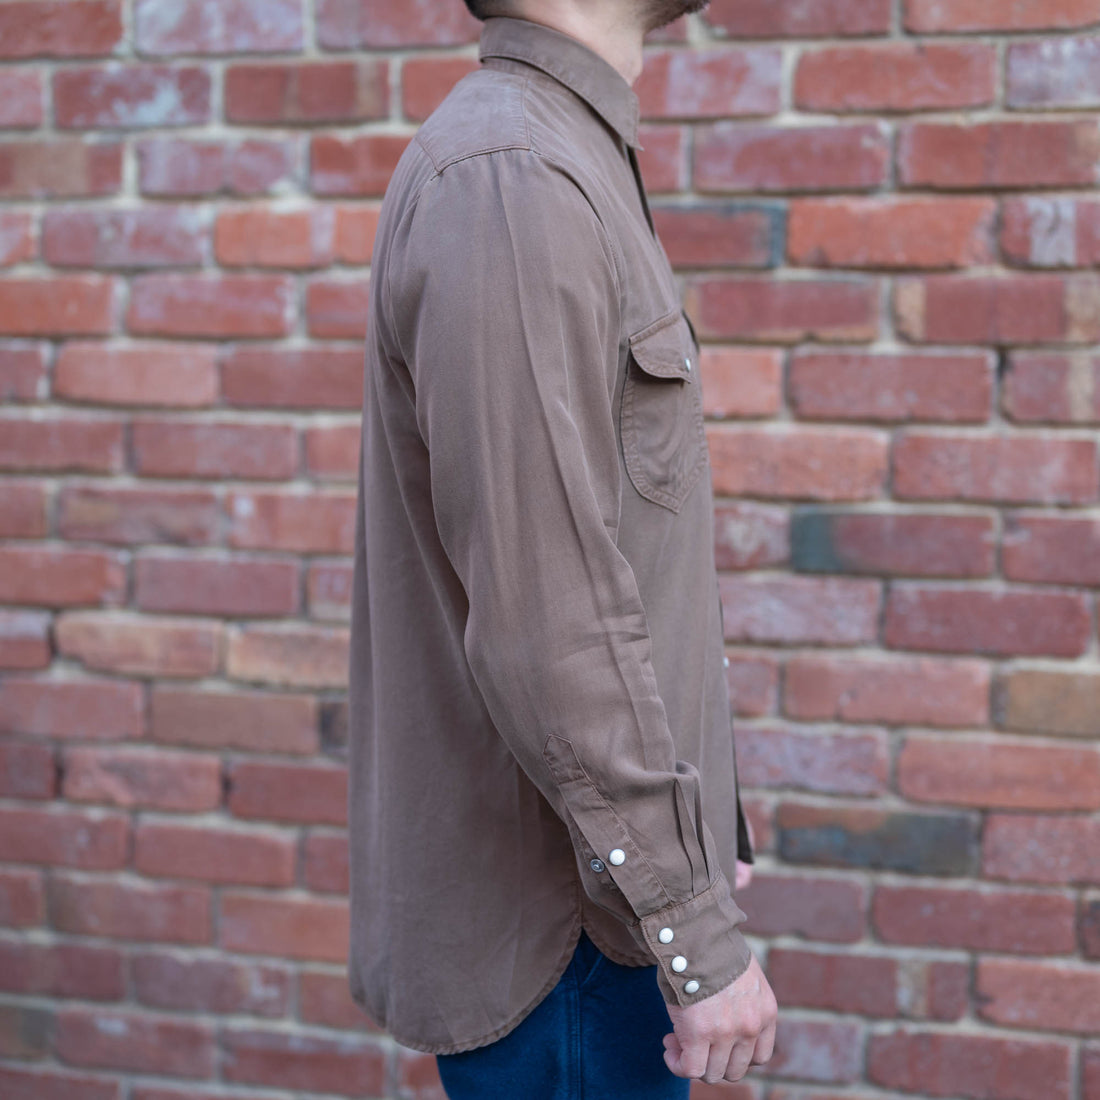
(539, 720)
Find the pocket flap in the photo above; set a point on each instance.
(664, 349)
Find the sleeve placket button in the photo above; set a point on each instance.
(679, 964)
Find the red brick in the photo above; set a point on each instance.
(662, 156)
(306, 794)
(112, 1039)
(59, 443)
(59, 168)
(297, 656)
(64, 838)
(748, 535)
(47, 1084)
(325, 999)
(762, 308)
(355, 230)
(139, 645)
(800, 610)
(26, 770)
(931, 16)
(1090, 1073)
(1009, 623)
(71, 709)
(258, 237)
(116, 96)
(176, 166)
(225, 26)
(753, 684)
(332, 451)
(238, 856)
(1010, 921)
(61, 577)
(130, 910)
(1051, 549)
(741, 382)
(896, 76)
(1013, 469)
(22, 371)
(221, 587)
(1051, 386)
(892, 232)
(1051, 230)
(719, 233)
(20, 99)
(922, 691)
(1055, 702)
(354, 165)
(418, 1078)
(60, 28)
(352, 24)
(1039, 996)
(23, 509)
(16, 231)
(164, 979)
(328, 587)
(127, 516)
(64, 305)
(863, 984)
(818, 1050)
(181, 375)
(163, 236)
(710, 83)
(319, 91)
(829, 761)
(139, 778)
(325, 866)
(1058, 72)
(63, 970)
(171, 447)
(742, 156)
(287, 927)
(304, 522)
(21, 898)
(278, 377)
(425, 82)
(24, 640)
(236, 306)
(337, 308)
(793, 19)
(786, 461)
(1005, 153)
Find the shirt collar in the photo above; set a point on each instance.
(580, 69)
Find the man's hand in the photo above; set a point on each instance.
(718, 1038)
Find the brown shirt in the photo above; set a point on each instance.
(539, 716)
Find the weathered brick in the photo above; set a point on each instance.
(179, 375)
(748, 156)
(173, 447)
(356, 226)
(59, 28)
(917, 544)
(1053, 72)
(792, 19)
(225, 587)
(932, 16)
(1003, 153)
(22, 371)
(62, 970)
(1009, 468)
(337, 308)
(291, 928)
(827, 760)
(59, 168)
(17, 243)
(352, 24)
(328, 590)
(818, 1050)
(23, 509)
(1051, 549)
(1055, 702)
(93, 841)
(26, 770)
(1088, 932)
(243, 857)
(162, 236)
(61, 443)
(325, 863)
(332, 450)
(710, 83)
(753, 684)
(120, 515)
(180, 166)
(720, 233)
(22, 900)
(425, 82)
(24, 640)
(312, 522)
(138, 778)
(1062, 387)
(224, 26)
(829, 910)
(1051, 230)
(354, 165)
(1039, 996)
(164, 979)
(324, 999)
(242, 720)
(61, 577)
(923, 691)
(748, 535)
(71, 709)
(318, 91)
(139, 645)
(800, 610)
(292, 378)
(116, 96)
(63, 305)
(225, 306)
(296, 656)
(910, 842)
(1058, 849)
(891, 232)
(308, 794)
(848, 983)
(663, 156)
(259, 237)
(991, 774)
(1010, 921)
(17, 1083)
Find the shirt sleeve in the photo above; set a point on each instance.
(504, 296)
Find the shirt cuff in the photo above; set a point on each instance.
(698, 947)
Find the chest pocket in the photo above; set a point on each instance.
(664, 442)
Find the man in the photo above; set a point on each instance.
(543, 813)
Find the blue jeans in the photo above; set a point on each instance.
(596, 1036)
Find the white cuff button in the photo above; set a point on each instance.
(617, 857)
(691, 987)
(679, 964)
(665, 935)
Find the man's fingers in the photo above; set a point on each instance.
(739, 1060)
(717, 1063)
(765, 1045)
(693, 1059)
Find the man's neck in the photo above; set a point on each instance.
(611, 29)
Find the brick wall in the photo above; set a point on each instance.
(886, 219)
